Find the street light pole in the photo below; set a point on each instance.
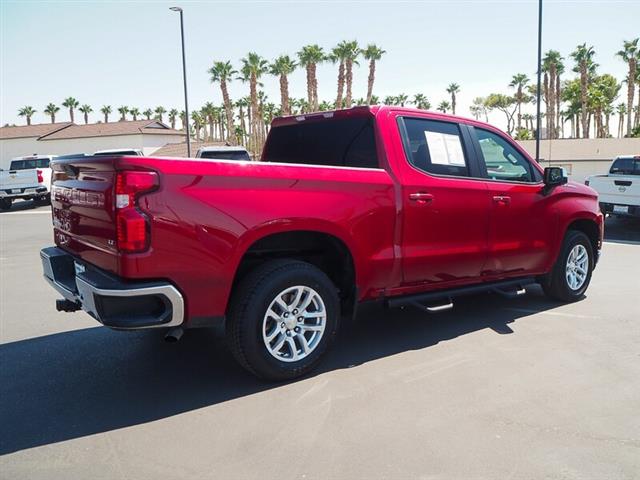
(184, 76)
(538, 90)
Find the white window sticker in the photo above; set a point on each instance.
(445, 149)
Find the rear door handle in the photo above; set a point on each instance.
(503, 199)
(421, 197)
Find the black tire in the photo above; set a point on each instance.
(5, 203)
(555, 284)
(249, 303)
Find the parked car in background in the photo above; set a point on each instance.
(120, 151)
(619, 190)
(28, 178)
(386, 204)
(224, 153)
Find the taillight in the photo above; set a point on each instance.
(40, 177)
(132, 225)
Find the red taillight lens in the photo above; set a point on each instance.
(40, 177)
(131, 224)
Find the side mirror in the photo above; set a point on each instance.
(554, 176)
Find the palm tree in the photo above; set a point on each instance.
(452, 89)
(583, 57)
(444, 106)
(148, 113)
(51, 110)
(421, 101)
(27, 112)
(309, 57)
(402, 99)
(85, 110)
(352, 51)
(71, 103)
(173, 115)
(197, 123)
(208, 113)
(282, 67)
(135, 113)
(528, 121)
(160, 111)
(106, 110)
(242, 104)
(123, 110)
(552, 65)
(339, 54)
(630, 53)
(519, 81)
(253, 67)
(373, 53)
(222, 72)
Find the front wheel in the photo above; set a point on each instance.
(282, 318)
(571, 274)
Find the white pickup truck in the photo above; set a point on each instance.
(28, 178)
(619, 190)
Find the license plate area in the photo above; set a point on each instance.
(16, 190)
(620, 209)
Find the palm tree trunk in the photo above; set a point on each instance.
(284, 95)
(106, 118)
(630, 92)
(340, 85)
(71, 114)
(370, 80)
(546, 99)
(583, 100)
(349, 79)
(559, 124)
(227, 109)
(310, 84)
(253, 141)
(53, 118)
(314, 107)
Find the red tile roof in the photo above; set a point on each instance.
(28, 131)
(152, 127)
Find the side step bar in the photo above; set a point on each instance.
(425, 301)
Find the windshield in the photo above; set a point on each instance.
(226, 155)
(29, 164)
(625, 166)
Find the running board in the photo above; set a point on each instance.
(423, 301)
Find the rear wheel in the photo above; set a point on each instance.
(5, 203)
(571, 273)
(282, 318)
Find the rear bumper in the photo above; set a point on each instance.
(631, 210)
(24, 193)
(112, 301)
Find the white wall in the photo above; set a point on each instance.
(19, 147)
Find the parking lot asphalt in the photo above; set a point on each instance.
(495, 388)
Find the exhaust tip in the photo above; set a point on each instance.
(174, 335)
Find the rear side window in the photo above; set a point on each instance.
(435, 147)
(346, 142)
(625, 166)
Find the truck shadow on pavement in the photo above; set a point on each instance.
(72, 384)
(622, 230)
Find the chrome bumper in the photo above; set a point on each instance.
(110, 300)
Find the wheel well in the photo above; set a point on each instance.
(590, 229)
(326, 252)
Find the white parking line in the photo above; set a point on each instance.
(28, 212)
(621, 242)
(547, 312)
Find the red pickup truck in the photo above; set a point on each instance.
(391, 204)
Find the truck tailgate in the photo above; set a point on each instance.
(83, 208)
(617, 189)
(18, 179)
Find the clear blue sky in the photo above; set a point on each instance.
(127, 52)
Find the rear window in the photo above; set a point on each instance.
(237, 155)
(626, 166)
(29, 164)
(346, 142)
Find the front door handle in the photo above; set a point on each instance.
(421, 197)
(502, 199)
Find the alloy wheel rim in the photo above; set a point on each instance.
(577, 267)
(294, 323)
